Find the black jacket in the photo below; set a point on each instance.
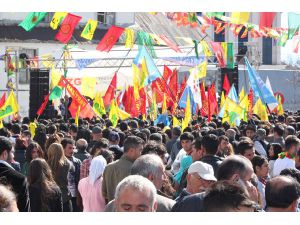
(190, 203)
(214, 161)
(18, 182)
(53, 202)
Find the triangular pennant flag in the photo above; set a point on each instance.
(55, 93)
(43, 105)
(98, 105)
(10, 106)
(113, 114)
(110, 92)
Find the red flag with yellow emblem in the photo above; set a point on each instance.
(67, 27)
(110, 38)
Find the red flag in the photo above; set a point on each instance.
(67, 27)
(110, 92)
(73, 108)
(43, 106)
(218, 50)
(204, 109)
(2, 100)
(143, 100)
(266, 19)
(110, 38)
(212, 100)
(170, 43)
(173, 86)
(226, 84)
(157, 87)
(182, 87)
(86, 111)
(251, 102)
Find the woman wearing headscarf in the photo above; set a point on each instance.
(90, 188)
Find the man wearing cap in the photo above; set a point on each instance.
(200, 176)
(114, 140)
(96, 136)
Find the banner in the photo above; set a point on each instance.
(86, 109)
(191, 61)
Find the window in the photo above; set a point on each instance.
(267, 51)
(24, 71)
(106, 18)
(48, 17)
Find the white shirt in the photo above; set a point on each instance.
(281, 164)
(176, 163)
(260, 149)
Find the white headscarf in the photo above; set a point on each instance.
(96, 169)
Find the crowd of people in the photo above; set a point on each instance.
(139, 167)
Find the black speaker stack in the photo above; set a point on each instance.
(39, 88)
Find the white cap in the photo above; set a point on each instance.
(204, 170)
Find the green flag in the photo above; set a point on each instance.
(144, 39)
(214, 14)
(55, 93)
(293, 24)
(196, 48)
(230, 56)
(31, 20)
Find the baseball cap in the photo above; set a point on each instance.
(96, 130)
(204, 170)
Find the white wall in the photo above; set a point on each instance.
(124, 18)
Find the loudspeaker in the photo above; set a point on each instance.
(39, 88)
(233, 76)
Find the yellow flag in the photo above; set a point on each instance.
(244, 103)
(232, 112)
(47, 60)
(77, 116)
(222, 99)
(123, 114)
(1, 124)
(176, 122)
(199, 71)
(241, 95)
(188, 114)
(89, 29)
(224, 47)
(205, 48)
(279, 107)
(98, 105)
(57, 19)
(136, 80)
(239, 17)
(164, 105)
(10, 106)
(260, 110)
(129, 33)
(153, 107)
(144, 73)
(54, 77)
(32, 127)
(88, 86)
(113, 113)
